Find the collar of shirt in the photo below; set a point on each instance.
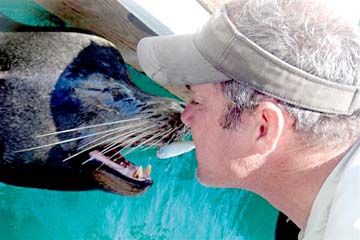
(336, 210)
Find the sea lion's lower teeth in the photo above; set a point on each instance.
(139, 172)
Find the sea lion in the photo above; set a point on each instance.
(67, 107)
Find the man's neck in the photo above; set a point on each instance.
(299, 176)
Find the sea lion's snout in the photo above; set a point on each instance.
(121, 176)
(70, 115)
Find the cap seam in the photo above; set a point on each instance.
(353, 104)
(156, 72)
(226, 51)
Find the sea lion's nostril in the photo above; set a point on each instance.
(182, 104)
(4, 62)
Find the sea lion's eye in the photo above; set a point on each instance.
(118, 95)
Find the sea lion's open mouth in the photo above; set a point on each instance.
(121, 176)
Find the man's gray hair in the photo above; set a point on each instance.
(306, 35)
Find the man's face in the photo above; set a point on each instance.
(218, 150)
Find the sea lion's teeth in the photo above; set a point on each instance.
(139, 172)
(148, 170)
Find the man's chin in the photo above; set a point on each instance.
(209, 180)
(204, 179)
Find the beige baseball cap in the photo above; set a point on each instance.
(219, 52)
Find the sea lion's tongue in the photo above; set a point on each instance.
(127, 169)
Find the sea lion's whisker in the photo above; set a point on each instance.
(97, 169)
(119, 130)
(100, 143)
(175, 129)
(91, 126)
(119, 143)
(119, 157)
(183, 132)
(143, 143)
(173, 136)
(68, 140)
(161, 135)
(111, 140)
(113, 145)
(148, 104)
(144, 135)
(155, 110)
(164, 135)
(171, 133)
(155, 116)
(128, 142)
(114, 142)
(120, 138)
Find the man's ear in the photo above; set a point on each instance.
(269, 126)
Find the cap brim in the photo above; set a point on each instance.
(174, 60)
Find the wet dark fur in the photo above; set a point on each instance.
(57, 81)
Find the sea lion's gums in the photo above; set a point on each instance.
(67, 107)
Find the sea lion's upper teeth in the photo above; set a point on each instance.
(148, 170)
(139, 172)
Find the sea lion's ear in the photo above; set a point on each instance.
(269, 126)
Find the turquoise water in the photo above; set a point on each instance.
(176, 207)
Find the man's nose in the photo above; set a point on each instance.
(186, 116)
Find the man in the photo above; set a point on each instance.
(274, 107)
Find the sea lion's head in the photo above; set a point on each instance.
(70, 115)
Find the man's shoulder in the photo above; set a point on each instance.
(336, 210)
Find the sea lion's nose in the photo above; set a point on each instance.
(182, 104)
